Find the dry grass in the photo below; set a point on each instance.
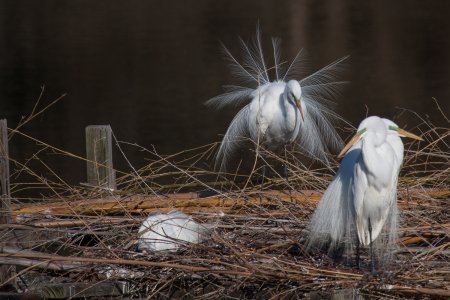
(256, 249)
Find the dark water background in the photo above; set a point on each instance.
(147, 67)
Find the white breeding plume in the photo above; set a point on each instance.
(282, 111)
(360, 204)
(169, 232)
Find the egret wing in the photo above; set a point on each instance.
(234, 96)
(386, 243)
(326, 226)
(374, 191)
(359, 187)
(323, 83)
(236, 134)
(317, 134)
(332, 223)
(296, 67)
(388, 216)
(252, 72)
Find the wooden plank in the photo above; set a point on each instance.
(100, 171)
(6, 271)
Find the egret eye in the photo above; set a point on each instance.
(393, 128)
(361, 131)
(293, 96)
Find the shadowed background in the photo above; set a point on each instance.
(147, 67)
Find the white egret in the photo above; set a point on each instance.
(282, 111)
(360, 204)
(169, 232)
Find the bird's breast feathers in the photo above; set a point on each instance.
(276, 119)
(381, 167)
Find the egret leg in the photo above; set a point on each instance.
(372, 257)
(285, 167)
(263, 176)
(286, 173)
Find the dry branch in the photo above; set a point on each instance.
(191, 203)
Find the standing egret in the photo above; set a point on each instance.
(359, 207)
(282, 111)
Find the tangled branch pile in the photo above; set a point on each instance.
(85, 237)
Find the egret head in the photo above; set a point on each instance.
(394, 129)
(379, 128)
(294, 92)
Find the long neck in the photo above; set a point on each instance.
(289, 103)
(378, 158)
(397, 145)
(286, 100)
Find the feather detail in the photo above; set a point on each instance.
(316, 135)
(277, 57)
(168, 232)
(296, 67)
(237, 133)
(332, 223)
(234, 96)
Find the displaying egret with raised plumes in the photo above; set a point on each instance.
(282, 111)
(359, 206)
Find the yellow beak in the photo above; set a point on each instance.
(409, 134)
(299, 105)
(354, 139)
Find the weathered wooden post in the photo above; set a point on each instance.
(6, 271)
(100, 171)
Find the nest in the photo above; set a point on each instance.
(79, 241)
